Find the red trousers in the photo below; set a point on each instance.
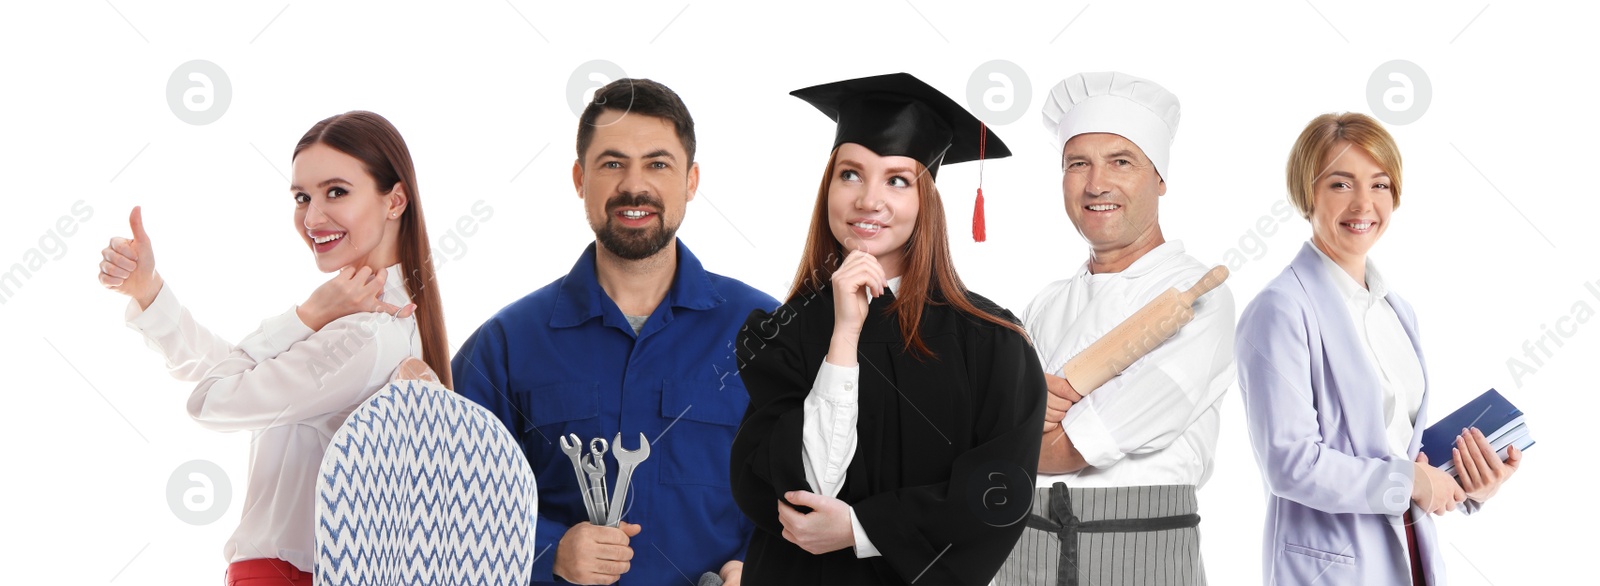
(266, 572)
(1414, 552)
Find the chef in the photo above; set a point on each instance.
(1118, 468)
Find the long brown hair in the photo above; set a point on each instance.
(925, 266)
(375, 142)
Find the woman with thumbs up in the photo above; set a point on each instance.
(292, 382)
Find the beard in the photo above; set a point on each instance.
(634, 243)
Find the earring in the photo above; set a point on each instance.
(394, 215)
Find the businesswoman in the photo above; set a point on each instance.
(1336, 390)
(293, 381)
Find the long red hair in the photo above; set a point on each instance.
(375, 142)
(925, 265)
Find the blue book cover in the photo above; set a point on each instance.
(1490, 412)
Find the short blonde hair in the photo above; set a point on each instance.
(1307, 159)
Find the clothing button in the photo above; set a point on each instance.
(849, 386)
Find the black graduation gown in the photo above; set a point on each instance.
(947, 447)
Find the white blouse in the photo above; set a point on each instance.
(1388, 350)
(828, 437)
(291, 387)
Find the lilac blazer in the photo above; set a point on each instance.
(1336, 495)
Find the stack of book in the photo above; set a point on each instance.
(1501, 423)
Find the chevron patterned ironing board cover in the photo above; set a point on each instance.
(423, 486)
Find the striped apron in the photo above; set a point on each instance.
(1122, 536)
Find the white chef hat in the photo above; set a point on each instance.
(1108, 101)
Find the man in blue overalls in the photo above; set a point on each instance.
(635, 339)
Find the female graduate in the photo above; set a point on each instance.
(892, 428)
(293, 381)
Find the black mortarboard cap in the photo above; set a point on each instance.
(899, 115)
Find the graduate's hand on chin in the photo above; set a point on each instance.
(826, 528)
(128, 265)
(1479, 468)
(350, 292)
(594, 554)
(857, 275)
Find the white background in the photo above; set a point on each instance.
(1493, 242)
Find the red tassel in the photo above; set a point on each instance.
(979, 231)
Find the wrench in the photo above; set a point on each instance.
(596, 468)
(597, 452)
(574, 449)
(627, 460)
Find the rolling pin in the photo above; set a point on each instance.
(1136, 336)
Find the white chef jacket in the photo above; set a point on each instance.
(828, 437)
(1388, 350)
(1156, 423)
(291, 387)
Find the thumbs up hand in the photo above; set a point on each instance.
(129, 265)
